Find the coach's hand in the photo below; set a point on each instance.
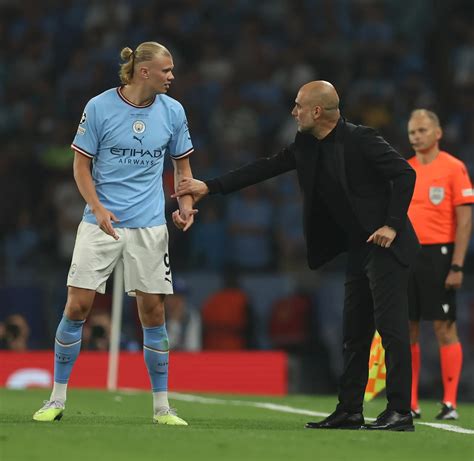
(383, 237)
(190, 186)
(104, 220)
(184, 219)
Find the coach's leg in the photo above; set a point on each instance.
(388, 283)
(358, 331)
(419, 282)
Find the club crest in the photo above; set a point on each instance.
(436, 195)
(138, 126)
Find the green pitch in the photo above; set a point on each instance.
(117, 426)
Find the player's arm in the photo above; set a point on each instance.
(184, 217)
(85, 184)
(461, 242)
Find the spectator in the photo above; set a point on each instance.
(226, 318)
(96, 333)
(183, 321)
(14, 333)
(250, 226)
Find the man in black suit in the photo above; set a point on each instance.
(356, 191)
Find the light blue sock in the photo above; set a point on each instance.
(156, 353)
(66, 348)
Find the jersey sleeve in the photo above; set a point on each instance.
(462, 187)
(180, 144)
(86, 140)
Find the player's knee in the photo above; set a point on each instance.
(153, 317)
(76, 310)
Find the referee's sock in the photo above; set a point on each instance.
(415, 373)
(451, 364)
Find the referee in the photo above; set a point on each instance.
(441, 216)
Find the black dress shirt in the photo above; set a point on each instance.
(331, 193)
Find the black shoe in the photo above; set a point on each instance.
(448, 412)
(391, 420)
(339, 420)
(415, 414)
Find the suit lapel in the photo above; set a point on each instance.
(306, 160)
(307, 157)
(339, 154)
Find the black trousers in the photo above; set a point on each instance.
(375, 298)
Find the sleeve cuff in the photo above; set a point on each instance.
(214, 186)
(393, 222)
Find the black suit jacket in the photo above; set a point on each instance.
(376, 179)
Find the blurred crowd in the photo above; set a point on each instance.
(238, 66)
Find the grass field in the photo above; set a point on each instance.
(117, 426)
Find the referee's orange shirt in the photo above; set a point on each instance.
(440, 187)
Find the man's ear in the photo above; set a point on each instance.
(144, 72)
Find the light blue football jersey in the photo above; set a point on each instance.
(127, 144)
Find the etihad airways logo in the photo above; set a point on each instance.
(131, 156)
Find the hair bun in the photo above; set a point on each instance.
(126, 53)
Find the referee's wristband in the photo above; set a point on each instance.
(457, 268)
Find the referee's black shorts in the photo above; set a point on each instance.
(428, 299)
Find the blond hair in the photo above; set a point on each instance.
(427, 113)
(146, 51)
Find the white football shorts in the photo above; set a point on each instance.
(144, 252)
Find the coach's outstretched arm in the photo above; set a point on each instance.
(247, 175)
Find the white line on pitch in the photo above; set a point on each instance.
(448, 427)
(288, 409)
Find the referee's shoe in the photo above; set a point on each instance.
(448, 412)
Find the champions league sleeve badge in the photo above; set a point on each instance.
(139, 126)
(80, 128)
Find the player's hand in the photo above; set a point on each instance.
(104, 219)
(184, 219)
(383, 237)
(190, 186)
(453, 280)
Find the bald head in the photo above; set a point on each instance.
(420, 113)
(321, 93)
(316, 108)
(424, 133)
